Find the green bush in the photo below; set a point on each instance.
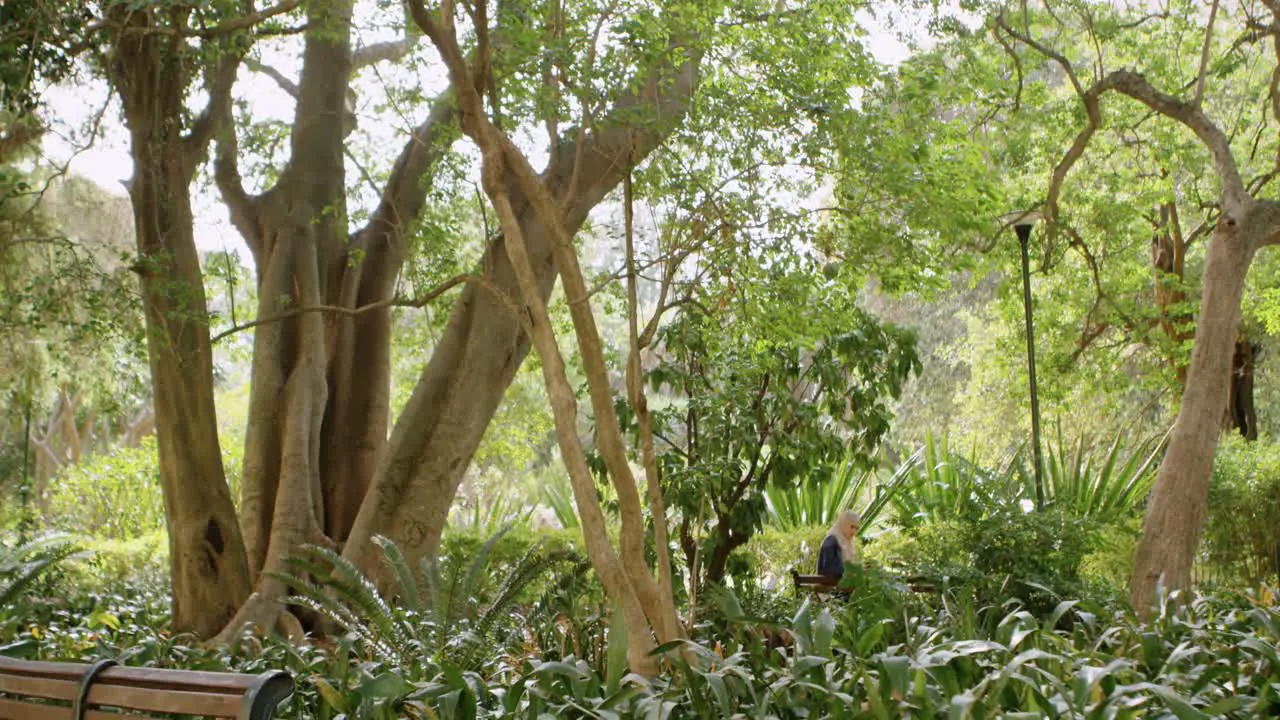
(772, 553)
(113, 495)
(1210, 657)
(1242, 529)
(117, 496)
(1109, 564)
(1035, 557)
(458, 547)
(114, 565)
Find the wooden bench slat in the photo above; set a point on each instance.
(15, 710)
(105, 692)
(818, 583)
(158, 678)
(169, 701)
(39, 687)
(184, 692)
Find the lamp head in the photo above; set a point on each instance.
(1022, 221)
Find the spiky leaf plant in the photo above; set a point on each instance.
(440, 619)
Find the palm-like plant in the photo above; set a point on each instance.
(813, 503)
(940, 484)
(817, 502)
(448, 619)
(1088, 481)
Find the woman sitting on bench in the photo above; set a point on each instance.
(839, 547)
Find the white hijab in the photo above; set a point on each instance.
(848, 547)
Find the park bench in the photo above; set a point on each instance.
(32, 690)
(827, 585)
(817, 583)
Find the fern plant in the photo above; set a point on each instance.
(22, 565)
(446, 617)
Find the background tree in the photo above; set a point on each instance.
(1245, 221)
(777, 378)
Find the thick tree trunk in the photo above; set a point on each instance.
(726, 543)
(299, 241)
(1175, 515)
(207, 560)
(351, 430)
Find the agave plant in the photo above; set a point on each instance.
(489, 515)
(815, 503)
(1088, 481)
(445, 620)
(941, 484)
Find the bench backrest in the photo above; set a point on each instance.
(817, 583)
(32, 690)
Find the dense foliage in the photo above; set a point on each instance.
(795, 299)
(910, 655)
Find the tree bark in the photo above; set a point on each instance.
(1241, 414)
(483, 344)
(207, 560)
(299, 240)
(1179, 499)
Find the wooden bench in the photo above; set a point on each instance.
(817, 583)
(32, 690)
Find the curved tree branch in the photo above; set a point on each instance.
(417, 302)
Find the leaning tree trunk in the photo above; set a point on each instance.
(1175, 515)
(206, 555)
(483, 344)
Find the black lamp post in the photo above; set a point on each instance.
(1022, 222)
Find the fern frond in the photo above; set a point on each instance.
(408, 585)
(26, 563)
(346, 584)
(470, 585)
(530, 566)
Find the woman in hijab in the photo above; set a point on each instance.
(839, 548)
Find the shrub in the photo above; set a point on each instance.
(1242, 529)
(458, 547)
(1006, 553)
(117, 496)
(114, 495)
(772, 553)
(1210, 657)
(116, 565)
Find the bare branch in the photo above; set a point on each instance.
(417, 302)
(382, 52)
(215, 114)
(403, 195)
(243, 208)
(1045, 50)
(285, 83)
(1136, 86)
(1197, 101)
(242, 22)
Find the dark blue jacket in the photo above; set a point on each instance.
(830, 561)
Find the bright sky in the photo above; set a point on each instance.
(75, 112)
